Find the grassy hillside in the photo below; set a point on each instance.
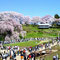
(33, 31)
(27, 44)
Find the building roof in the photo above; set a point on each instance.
(44, 24)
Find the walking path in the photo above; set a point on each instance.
(40, 49)
(51, 45)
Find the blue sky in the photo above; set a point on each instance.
(31, 7)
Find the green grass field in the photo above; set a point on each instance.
(33, 31)
(26, 44)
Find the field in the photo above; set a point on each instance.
(33, 31)
(27, 44)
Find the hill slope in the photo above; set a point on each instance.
(34, 32)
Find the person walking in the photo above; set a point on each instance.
(10, 57)
(29, 57)
(54, 57)
(14, 56)
(21, 56)
(3, 58)
(57, 57)
(34, 56)
(18, 52)
(25, 57)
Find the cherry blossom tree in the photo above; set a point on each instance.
(27, 20)
(10, 28)
(36, 19)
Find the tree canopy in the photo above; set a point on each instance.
(57, 16)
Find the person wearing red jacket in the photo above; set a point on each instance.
(29, 56)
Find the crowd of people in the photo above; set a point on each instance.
(27, 53)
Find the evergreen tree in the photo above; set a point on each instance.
(56, 16)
